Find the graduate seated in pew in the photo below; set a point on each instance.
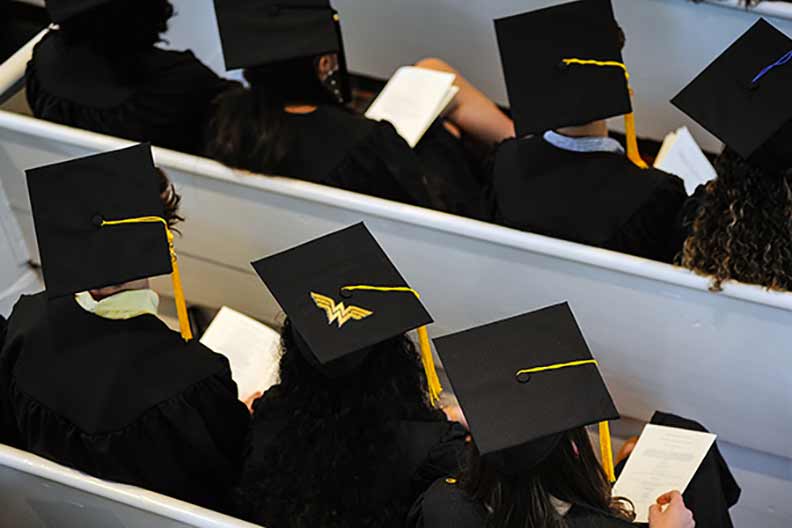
(564, 177)
(90, 377)
(293, 121)
(531, 462)
(101, 71)
(349, 437)
(737, 226)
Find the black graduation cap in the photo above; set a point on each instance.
(743, 97)
(258, 32)
(547, 89)
(524, 380)
(71, 200)
(61, 10)
(309, 283)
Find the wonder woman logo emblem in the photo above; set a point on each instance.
(338, 312)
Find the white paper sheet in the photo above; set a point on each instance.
(665, 459)
(252, 349)
(411, 101)
(681, 155)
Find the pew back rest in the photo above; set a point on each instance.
(663, 340)
(37, 493)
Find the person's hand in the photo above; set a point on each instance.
(251, 399)
(670, 512)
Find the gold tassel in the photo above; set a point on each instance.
(606, 451)
(432, 380)
(178, 292)
(632, 141)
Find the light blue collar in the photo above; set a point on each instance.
(583, 144)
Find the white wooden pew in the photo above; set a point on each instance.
(37, 493)
(664, 340)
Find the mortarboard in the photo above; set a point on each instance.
(563, 66)
(743, 96)
(99, 222)
(258, 32)
(523, 381)
(342, 295)
(61, 10)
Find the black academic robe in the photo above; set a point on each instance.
(422, 451)
(158, 96)
(341, 149)
(713, 489)
(445, 505)
(595, 198)
(123, 400)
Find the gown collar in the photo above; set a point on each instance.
(583, 144)
(121, 306)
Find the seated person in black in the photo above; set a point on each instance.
(348, 437)
(292, 120)
(737, 227)
(531, 462)
(90, 377)
(565, 76)
(102, 72)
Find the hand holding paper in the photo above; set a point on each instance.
(665, 458)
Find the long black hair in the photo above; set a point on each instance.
(248, 127)
(333, 462)
(119, 28)
(522, 499)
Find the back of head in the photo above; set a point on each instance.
(743, 228)
(248, 128)
(517, 498)
(119, 28)
(335, 462)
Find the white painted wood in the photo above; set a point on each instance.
(37, 493)
(663, 339)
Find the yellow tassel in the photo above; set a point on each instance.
(606, 451)
(433, 381)
(178, 292)
(632, 141)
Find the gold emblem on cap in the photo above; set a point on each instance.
(339, 312)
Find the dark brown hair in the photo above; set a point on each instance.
(571, 473)
(743, 227)
(170, 201)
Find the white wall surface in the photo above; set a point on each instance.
(669, 42)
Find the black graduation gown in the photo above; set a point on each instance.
(127, 401)
(164, 96)
(426, 450)
(595, 198)
(446, 505)
(341, 149)
(713, 489)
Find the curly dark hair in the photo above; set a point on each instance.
(570, 473)
(333, 463)
(119, 28)
(171, 200)
(743, 228)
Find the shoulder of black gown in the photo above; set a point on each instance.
(453, 176)
(127, 401)
(443, 505)
(160, 96)
(430, 450)
(583, 517)
(653, 229)
(713, 489)
(585, 197)
(338, 148)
